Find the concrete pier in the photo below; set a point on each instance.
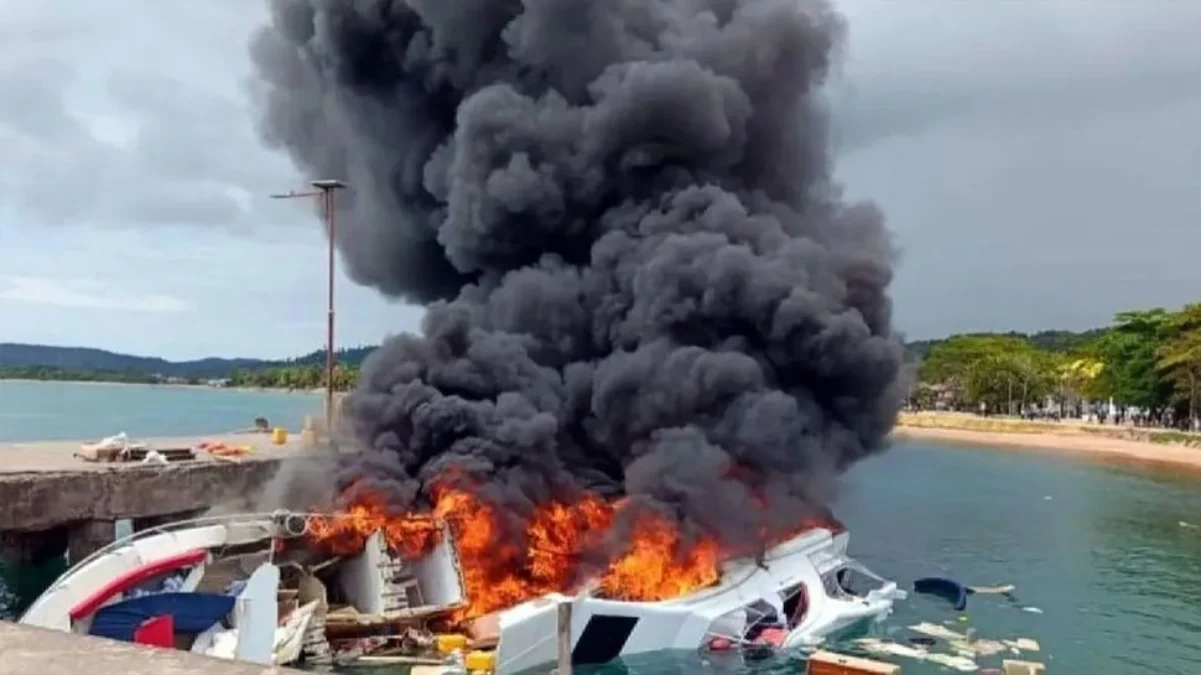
(55, 502)
(29, 650)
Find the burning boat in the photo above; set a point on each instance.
(261, 588)
(798, 594)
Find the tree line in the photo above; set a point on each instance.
(60, 374)
(1147, 362)
(296, 376)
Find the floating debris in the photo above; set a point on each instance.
(936, 631)
(879, 647)
(964, 648)
(830, 663)
(1023, 667)
(992, 590)
(948, 589)
(1024, 644)
(961, 663)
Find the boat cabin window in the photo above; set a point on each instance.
(796, 604)
(849, 581)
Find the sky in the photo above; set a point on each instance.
(1039, 162)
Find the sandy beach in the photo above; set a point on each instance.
(1156, 446)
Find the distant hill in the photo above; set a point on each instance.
(352, 355)
(1049, 340)
(14, 355)
(87, 358)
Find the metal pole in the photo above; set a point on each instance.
(325, 190)
(328, 199)
(563, 632)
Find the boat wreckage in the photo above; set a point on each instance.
(254, 588)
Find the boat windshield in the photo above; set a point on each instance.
(851, 580)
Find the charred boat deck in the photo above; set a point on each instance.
(278, 599)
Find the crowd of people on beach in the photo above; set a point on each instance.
(1095, 412)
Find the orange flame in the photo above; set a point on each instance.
(500, 571)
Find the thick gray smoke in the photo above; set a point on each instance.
(642, 277)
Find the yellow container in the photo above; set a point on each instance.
(450, 643)
(279, 435)
(480, 661)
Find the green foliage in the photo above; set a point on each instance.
(1179, 357)
(1131, 374)
(991, 369)
(296, 376)
(1047, 340)
(79, 364)
(85, 359)
(55, 373)
(1150, 359)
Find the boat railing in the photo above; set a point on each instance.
(267, 519)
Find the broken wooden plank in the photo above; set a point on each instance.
(831, 663)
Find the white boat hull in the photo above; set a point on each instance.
(795, 590)
(605, 630)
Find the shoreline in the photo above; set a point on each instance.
(1098, 443)
(168, 385)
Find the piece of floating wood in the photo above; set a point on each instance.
(992, 590)
(1027, 645)
(830, 663)
(1011, 667)
(936, 631)
(885, 648)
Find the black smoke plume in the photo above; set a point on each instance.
(643, 278)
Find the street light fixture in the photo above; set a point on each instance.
(325, 190)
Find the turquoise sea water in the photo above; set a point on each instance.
(1110, 554)
(47, 411)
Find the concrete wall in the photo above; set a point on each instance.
(43, 500)
(34, 651)
(51, 512)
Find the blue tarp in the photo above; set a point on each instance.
(193, 613)
(949, 589)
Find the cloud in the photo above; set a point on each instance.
(916, 65)
(1040, 163)
(87, 294)
(128, 138)
(115, 117)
